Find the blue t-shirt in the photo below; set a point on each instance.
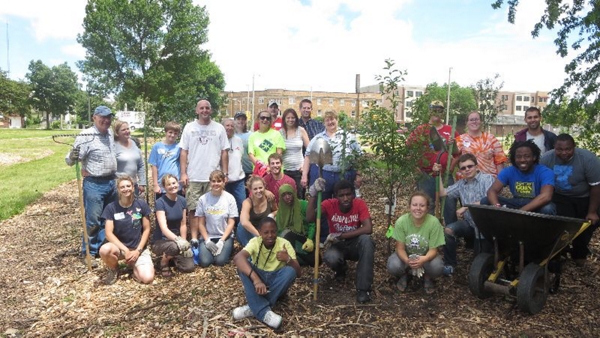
(165, 157)
(529, 184)
(174, 214)
(127, 221)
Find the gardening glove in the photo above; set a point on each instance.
(74, 155)
(220, 245)
(187, 253)
(318, 186)
(212, 247)
(331, 239)
(194, 243)
(309, 245)
(182, 244)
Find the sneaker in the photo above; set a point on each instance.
(94, 262)
(363, 296)
(111, 276)
(448, 270)
(272, 319)
(402, 283)
(242, 312)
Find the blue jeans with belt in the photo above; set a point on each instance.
(97, 194)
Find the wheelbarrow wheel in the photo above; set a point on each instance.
(532, 290)
(481, 269)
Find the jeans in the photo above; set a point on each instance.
(518, 203)
(361, 249)
(277, 282)
(426, 183)
(296, 175)
(207, 258)
(97, 194)
(433, 269)
(238, 190)
(459, 229)
(242, 235)
(331, 178)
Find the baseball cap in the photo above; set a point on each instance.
(273, 102)
(103, 111)
(436, 104)
(240, 114)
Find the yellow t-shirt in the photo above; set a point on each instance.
(266, 259)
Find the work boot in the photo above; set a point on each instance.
(363, 296)
(111, 276)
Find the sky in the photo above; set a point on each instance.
(321, 45)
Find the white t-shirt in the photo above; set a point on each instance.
(236, 150)
(538, 140)
(216, 210)
(204, 144)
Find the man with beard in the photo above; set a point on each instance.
(544, 139)
(530, 183)
(577, 188)
(350, 231)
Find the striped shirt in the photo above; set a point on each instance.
(313, 127)
(351, 150)
(97, 153)
(471, 191)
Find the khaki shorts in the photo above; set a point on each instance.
(144, 259)
(193, 193)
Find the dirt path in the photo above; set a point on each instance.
(45, 292)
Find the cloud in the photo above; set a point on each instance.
(75, 50)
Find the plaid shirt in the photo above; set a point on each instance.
(472, 191)
(312, 127)
(97, 153)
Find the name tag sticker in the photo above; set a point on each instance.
(119, 216)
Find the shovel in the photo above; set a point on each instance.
(320, 154)
(440, 147)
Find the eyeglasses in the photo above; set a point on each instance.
(467, 167)
(264, 117)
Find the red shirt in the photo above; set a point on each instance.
(339, 221)
(421, 135)
(273, 185)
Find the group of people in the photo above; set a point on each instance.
(261, 189)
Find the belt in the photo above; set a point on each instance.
(100, 178)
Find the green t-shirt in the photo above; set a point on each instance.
(261, 145)
(266, 259)
(419, 240)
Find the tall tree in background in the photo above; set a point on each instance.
(53, 89)
(14, 96)
(577, 28)
(489, 106)
(462, 101)
(150, 50)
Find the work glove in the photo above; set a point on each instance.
(194, 243)
(309, 245)
(182, 244)
(187, 253)
(74, 156)
(318, 186)
(212, 247)
(220, 245)
(331, 239)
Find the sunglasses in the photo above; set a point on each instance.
(264, 117)
(467, 167)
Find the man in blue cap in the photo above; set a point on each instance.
(95, 148)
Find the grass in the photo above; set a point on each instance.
(23, 183)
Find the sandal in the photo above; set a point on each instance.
(428, 286)
(402, 283)
(166, 272)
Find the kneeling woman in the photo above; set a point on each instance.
(169, 240)
(216, 212)
(127, 231)
(418, 236)
(271, 271)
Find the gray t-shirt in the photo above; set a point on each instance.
(216, 210)
(538, 140)
(574, 177)
(130, 162)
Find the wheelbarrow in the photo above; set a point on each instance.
(525, 244)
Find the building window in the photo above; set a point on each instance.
(519, 98)
(419, 93)
(379, 102)
(319, 112)
(505, 97)
(518, 108)
(409, 104)
(342, 102)
(525, 108)
(409, 93)
(353, 103)
(319, 103)
(331, 102)
(291, 100)
(353, 114)
(365, 103)
(526, 98)
(261, 100)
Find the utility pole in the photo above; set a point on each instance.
(357, 97)
(253, 100)
(448, 97)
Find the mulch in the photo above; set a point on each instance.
(47, 292)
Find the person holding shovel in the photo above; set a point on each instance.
(350, 231)
(96, 151)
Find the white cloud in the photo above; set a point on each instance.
(75, 50)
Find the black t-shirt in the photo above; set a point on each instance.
(174, 214)
(127, 221)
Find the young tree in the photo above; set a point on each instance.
(485, 92)
(462, 101)
(577, 26)
(54, 90)
(150, 50)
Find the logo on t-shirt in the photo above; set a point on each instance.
(525, 189)
(266, 145)
(417, 244)
(562, 174)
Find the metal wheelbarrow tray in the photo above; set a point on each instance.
(524, 243)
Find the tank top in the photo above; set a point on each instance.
(256, 218)
(292, 156)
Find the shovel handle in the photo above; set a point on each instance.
(317, 245)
